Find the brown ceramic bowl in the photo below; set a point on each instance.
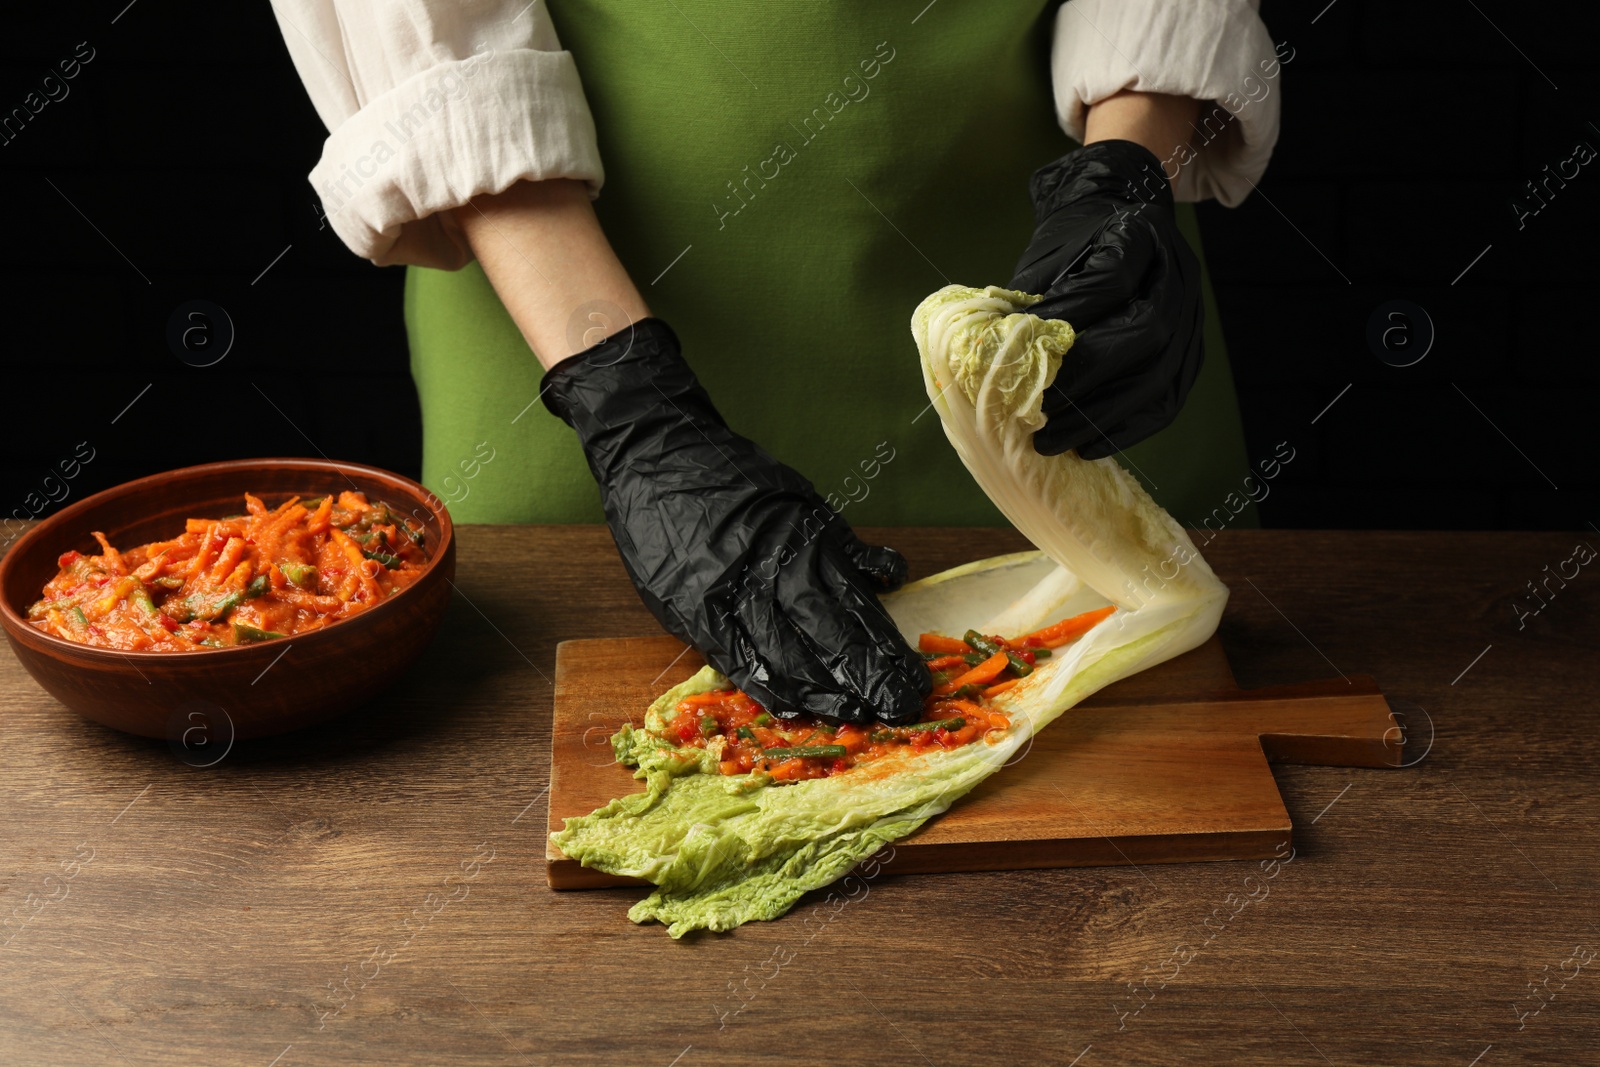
(247, 690)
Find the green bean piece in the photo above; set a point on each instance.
(708, 725)
(1018, 666)
(79, 617)
(981, 643)
(228, 603)
(258, 586)
(806, 752)
(301, 575)
(1041, 653)
(388, 560)
(745, 733)
(947, 724)
(762, 720)
(244, 634)
(197, 607)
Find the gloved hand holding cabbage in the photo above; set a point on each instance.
(723, 850)
(1106, 256)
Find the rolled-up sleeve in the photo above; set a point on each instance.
(1216, 51)
(429, 103)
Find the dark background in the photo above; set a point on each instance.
(1408, 130)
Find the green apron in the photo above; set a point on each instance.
(785, 182)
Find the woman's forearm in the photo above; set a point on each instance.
(549, 262)
(1159, 121)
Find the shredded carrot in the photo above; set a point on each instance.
(269, 538)
(996, 690)
(227, 560)
(953, 646)
(211, 542)
(788, 770)
(321, 520)
(1058, 634)
(984, 718)
(151, 568)
(226, 581)
(946, 662)
(987, 671)
(306, 601)
(340, 544)
(113, 558)
(239, 577)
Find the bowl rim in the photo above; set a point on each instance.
(18, 628)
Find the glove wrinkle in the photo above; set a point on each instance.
(732, 551)
(884, 567)
(1107, 256)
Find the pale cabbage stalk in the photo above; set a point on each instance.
(723, 850)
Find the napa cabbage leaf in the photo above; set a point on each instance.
(727, 849)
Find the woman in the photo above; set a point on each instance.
(783, 184)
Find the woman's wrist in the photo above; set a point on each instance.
(1160, 122)
(542, 249)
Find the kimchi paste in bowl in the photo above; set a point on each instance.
(270, 594)
(266, 573)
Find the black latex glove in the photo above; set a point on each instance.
(1107, 257)
(734, 552)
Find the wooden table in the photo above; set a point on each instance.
(373, 892)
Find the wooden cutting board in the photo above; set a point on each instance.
(1170, 765)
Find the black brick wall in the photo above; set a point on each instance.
(1408, 129)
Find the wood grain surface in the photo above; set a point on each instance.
(1168, 765)
(374, 891)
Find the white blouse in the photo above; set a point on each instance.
(430, 103)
